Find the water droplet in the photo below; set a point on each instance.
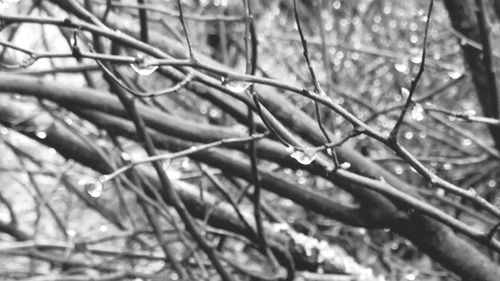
(41, 134)
(466, 142)
(241, 128)
(447, 166)
(405, 92)
(472, 191)
(492, 183)
(126, 157)
(68, 120)
(402, 66)
(186, 164)
(417, 112)
(398, 170)
(422, 135)
(93, 187)
(214, 113)
(237, 86)
(336, 5)
(142, 65)
(416, 59)
(387, 10)
(323, 94)
(70, 232)
(345, 165)
(440, 192)
(204, 109)
(103, 228)
(305, 157)
(470, 112)
(28, 62)
(411, 276)
(4, 131)
(454, 74)
(408, 135)
(302, 180)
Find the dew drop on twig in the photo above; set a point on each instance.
(454, 74)
(345, 165)
(28, 62)
(466, 142)
(472, 191)
(398, 170)
(237, 86)
(417, 112)
(142, 65)
(305, 157)
(405, 92)
(402, 66)
(93, 187)
(492, 183)
(447, 166)
(408, 135)
(70, 232)
(41, 134)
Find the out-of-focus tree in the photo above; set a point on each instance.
(249, 140)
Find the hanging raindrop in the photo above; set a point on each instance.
(28, 62)
(472, 191)
(305, 157)
(41, 134)
(492, 183)
(398, 170)
(236, 86)
(408, 135)
(405, 92)
(466, 142)
(142, 65)
(402, 66)
(70, 232)
(454, 74)
(93, 187)
(345, 165)
(126, 157)
(417, 112)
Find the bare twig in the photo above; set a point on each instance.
(317, 88)
(394, 133)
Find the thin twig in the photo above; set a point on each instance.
(394, 133)
(487, 54)
(317, 88)
(182, 153)
(143, 19)
(186, 33)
